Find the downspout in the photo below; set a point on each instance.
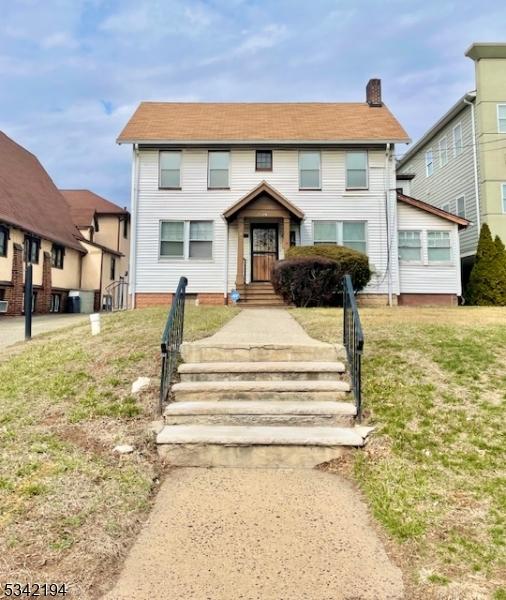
(132, 271)
(475, 165)
(387, 214)
(225, 272)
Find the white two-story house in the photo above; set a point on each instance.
(221, 190)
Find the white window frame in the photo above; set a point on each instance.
(340, 231)
(301, 152)
(169, 187)
(443, 152)
(450, 237)
(499, 118)
(186, 242)
(503, 197)
(446, 206)
(458, 149)
(213, 187)
(418, 261)
(348, 152)
(429, 162)
(461, 197)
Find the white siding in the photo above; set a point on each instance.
(429, 278)
(195, 202)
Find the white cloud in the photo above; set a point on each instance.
(60, 39)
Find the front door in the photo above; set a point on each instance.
(264, 250)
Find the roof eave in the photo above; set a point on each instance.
(262, 141)
(439, 212)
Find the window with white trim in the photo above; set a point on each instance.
(443, 151)
(501, 118)
(438, 246)
(429, 163)
(186, 239)
(309, 170)
(170, 169)
(351, 234)
(410, 245)
(461, 206)
(218, 169)
(503, 188)
(458, 145)
(356, 170)
(446, 207)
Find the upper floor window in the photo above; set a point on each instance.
(446, 207)
(458, 145)
(57, 254)
(309, 170)
(96, 225)
(501, 118)
(351, 234)
(112, 274)
(443, 151)
(186, 239)
(503, 189)
(356, 170)
(32, 248)
(429, 163)
(461, 206)
(4, 240)
(438, 246)
(218, 175)
(170, 169)
(125, 228)
(263, 160)
(410, 245)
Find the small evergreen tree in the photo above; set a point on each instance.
(487, 283)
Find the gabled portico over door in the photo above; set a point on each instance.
(259, 214)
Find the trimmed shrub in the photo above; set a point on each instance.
(312, 275)
(487, 282)
(350, 261)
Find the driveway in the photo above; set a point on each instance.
(12, 329)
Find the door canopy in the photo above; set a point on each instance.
(263, 201)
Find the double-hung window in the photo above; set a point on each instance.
(501, 118)
(170, 169)
(461, 206)
(429, 163)
(458, 145)
(356, 171)
(32, 248)
(57, 256)
(438, 246)
(263, 160)
(309, 170)
(4, 240)
(351, 234)
(201, 239)
(503, 197)
(410, 245)
(443, 151)
(218, 169)
(186, 239)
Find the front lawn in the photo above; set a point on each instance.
(69, 506)
(434, 473)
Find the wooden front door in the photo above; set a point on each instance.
(264, 250)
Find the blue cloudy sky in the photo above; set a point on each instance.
(73, 71)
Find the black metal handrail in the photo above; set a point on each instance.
(117, 293)
(353, 340)
(171, 340)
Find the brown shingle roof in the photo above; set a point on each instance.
(84, 204)
(261, 122)
(30, 200)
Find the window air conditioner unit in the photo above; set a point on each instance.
(4, 305)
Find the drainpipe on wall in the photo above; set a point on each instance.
(225, 273)
(387, 214)
(475, 165)
(133, 224)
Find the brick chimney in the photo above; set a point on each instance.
(373, 92)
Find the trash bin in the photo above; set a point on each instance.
(74, 304)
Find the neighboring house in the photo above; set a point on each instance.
(34, 224)
(105, 228)
(220, 191)
(460, 163)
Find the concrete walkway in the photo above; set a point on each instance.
(257, 534)
(12, 329)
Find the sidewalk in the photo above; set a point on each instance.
(266, 534)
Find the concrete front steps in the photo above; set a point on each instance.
(258, 294)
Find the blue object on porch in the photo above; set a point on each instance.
(234, 296)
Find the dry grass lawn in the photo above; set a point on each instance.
(434, 473)
(69, 506)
